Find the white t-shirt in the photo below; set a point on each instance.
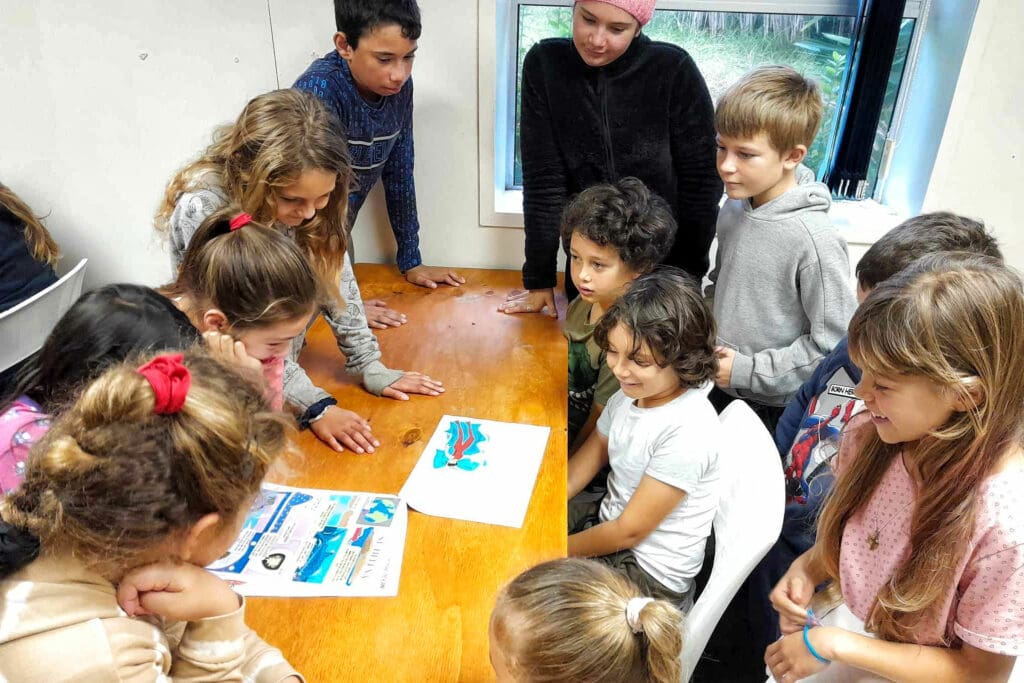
(677, 444)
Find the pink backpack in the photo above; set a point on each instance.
(21, 425)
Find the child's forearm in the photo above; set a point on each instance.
(808, 563)
(908, 663)
(602, 539)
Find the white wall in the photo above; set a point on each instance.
(979, 171)
(92, 132)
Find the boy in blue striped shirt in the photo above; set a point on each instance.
(366, 81)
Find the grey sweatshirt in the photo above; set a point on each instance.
(781, 289)
(355, 340)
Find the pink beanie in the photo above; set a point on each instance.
(642, 10)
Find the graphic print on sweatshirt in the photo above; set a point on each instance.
(817, 440)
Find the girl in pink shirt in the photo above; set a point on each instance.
(923, 536)
(250, 290)
(105, 326)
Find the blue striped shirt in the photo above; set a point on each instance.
(380, 143)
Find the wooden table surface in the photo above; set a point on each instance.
(494, 366)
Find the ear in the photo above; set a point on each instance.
(793, 157)
(199, 535)
(214, 320)
(341, 44)
(972, 399)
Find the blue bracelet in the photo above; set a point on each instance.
(807, 642)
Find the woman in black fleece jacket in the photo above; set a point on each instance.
(646, 114)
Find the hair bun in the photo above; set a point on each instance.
(64, 457)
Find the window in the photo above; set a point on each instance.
(726, 39)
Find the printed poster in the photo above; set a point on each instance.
(312, 542)
(477, 470)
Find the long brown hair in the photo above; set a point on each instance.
(111, 479)
(957, 321)
(255, 275)
(42, 245)
(565, 620)
(278, 136)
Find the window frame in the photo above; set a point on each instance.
(501, 205)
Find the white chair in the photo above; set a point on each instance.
(24, 328)
(746, 525)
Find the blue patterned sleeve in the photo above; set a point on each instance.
(400, 194)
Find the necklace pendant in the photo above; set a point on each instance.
(873, 541)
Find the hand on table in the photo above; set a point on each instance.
(341, 429)
(431, 277)
(412, 383)
(177, 591)
(380, 317)
(789, 659)
(530, 301)
(725, 357)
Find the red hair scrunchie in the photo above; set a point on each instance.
(170, 381)
(239, 220)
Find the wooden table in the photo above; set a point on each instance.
(494, 366)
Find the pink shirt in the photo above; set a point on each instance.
(986, 607)
(21, 425)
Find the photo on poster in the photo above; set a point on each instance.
(310, 542)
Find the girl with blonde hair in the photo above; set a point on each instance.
(285, 162)
(579, 620)
(923, 535)
(136, 488)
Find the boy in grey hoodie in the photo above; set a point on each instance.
(781, 287)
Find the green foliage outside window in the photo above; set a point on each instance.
(726, 45)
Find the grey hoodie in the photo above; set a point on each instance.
(355, 340)
(781, 289)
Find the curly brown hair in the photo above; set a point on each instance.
(625, 216)
(665, 311)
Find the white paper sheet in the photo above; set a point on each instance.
(312, 542)
(477, 470)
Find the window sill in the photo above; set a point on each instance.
(507, 211)
(862, 222)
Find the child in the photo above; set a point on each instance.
(285, 163)
(577, 620)
(141, 484)
(367, 82)
(781, 281)
(922, 532)
(27, 251)
(808, 433)
(659, 435)
(250, 282)
(102, 328)
(28, 255)
(614, 234)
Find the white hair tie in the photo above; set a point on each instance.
(633, 609)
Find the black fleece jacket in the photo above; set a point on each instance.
(647, 114)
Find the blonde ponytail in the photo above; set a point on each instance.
(569, 620)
